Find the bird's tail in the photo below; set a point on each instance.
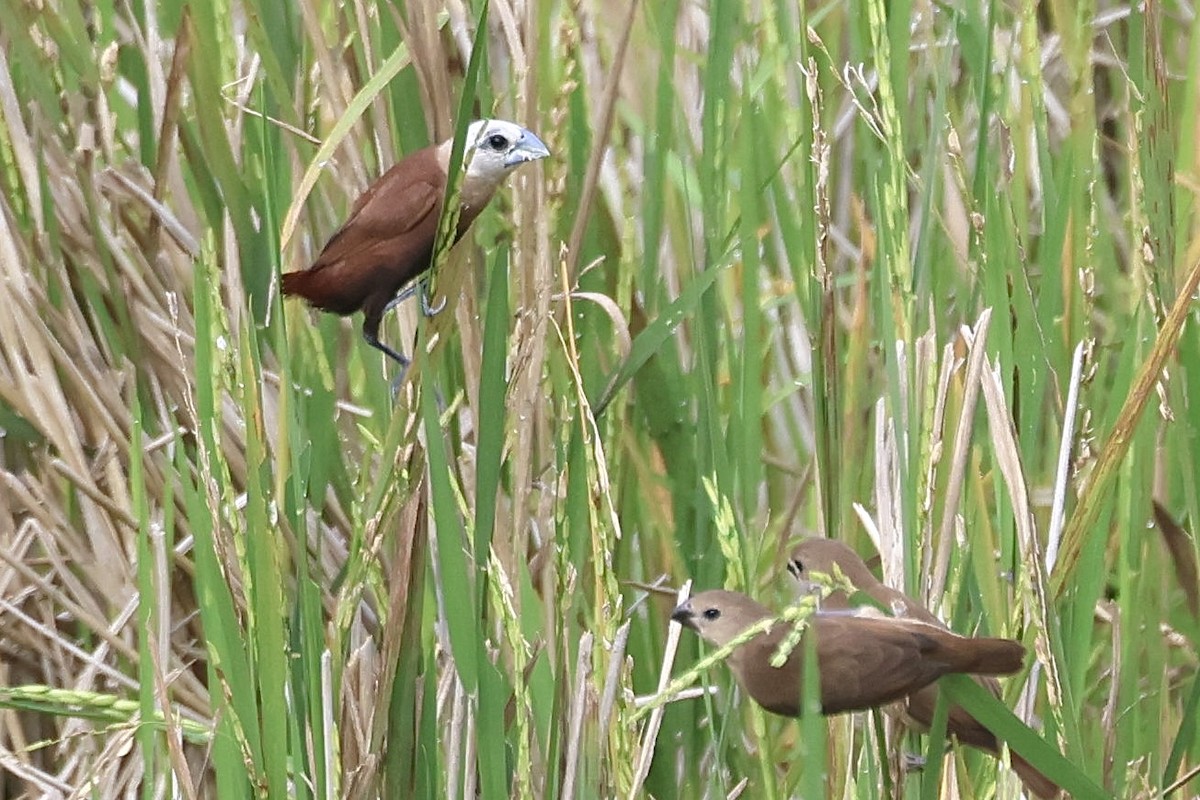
(1037, 783)
(991, 656)
(295, 283)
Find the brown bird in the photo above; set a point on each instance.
(389, 237)
(864, 661)
(819, 556)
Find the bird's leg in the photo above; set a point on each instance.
(370, 333)
(372, 339)
(401, 296)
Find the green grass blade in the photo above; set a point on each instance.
(993, 714)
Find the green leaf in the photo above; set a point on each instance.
(997, 718)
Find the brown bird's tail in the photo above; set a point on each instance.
(1034, 781)
(987, 656)
(327, 290)
(295, 282)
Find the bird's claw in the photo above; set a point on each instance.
(427, 307)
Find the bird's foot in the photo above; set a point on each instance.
(427, 306)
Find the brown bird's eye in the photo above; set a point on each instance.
(497, 142)
(712, 613)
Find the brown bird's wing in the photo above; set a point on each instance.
(386, 242)
(393, 206)
(867, 662)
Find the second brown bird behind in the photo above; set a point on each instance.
(864, 661)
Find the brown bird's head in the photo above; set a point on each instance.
(821, 556)
(719, 616)
(814, 556)
(494, 147)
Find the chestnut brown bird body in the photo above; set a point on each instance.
(388, 239)
(819, 556)
(864, 661)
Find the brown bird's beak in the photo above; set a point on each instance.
(793, 567)
(803, 585)
(685, 615)
(528, 148)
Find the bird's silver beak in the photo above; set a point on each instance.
(684, 615)
(529, 148)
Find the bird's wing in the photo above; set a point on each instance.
(392, 207)
(867, 662)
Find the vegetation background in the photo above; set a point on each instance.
(910, 273)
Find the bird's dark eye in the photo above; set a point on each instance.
(497, 142)
(712, 613)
